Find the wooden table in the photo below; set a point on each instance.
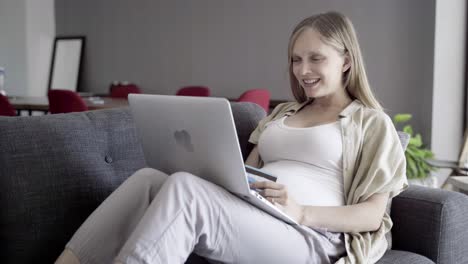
(31, 103)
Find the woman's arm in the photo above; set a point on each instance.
(253, 158)
(362, 217)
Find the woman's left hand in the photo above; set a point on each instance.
(278, 195)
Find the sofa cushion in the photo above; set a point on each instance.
(56, 169)
(246, 117)
(403, 257)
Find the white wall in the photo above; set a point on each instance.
(27, 29)
(40, 34)
(232, 46)
(13, 45)
(449, 80)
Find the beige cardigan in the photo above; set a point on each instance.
(373, 162)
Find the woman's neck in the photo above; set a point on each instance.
(336, 101)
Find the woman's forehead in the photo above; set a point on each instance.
(309, 42)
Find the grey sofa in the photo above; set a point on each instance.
(56, 169)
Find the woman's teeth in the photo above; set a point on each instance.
(312, 81)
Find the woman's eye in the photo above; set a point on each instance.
(295, 60)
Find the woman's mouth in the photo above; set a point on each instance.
(309, 83)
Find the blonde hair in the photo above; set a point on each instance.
(338, 31)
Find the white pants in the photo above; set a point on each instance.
(156, 218)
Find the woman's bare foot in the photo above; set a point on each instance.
(67, 257)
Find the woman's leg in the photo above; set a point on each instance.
(102, 235)
(190, 214)
(67, 257)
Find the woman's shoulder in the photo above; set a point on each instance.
(376, 124)
(277, 112)
(370, 116)
(375, 115)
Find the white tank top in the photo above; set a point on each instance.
(307, 160)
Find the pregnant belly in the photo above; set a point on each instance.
(307, 184)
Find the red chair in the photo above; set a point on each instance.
(258, 96)
(6, 109)
(194, 91)
(122, 90)
(65, 101)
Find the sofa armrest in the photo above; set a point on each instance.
(431, 222)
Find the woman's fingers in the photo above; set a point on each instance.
(281, 201)
(271, 193)
(277, 200)
(275, 196)
(267, 185)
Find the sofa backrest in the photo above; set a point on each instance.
(56, 169)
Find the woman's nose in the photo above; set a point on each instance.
(305, 68)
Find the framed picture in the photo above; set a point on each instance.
(65, 67)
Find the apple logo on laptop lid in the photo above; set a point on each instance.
(184, 140)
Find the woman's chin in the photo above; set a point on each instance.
(310, 93)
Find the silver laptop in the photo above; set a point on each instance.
(196, 135)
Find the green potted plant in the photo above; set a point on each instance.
(416, 154)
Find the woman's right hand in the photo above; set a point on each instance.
(278, 195)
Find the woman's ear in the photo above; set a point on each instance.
(347, 62)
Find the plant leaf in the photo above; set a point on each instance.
(416, 154)
(416, 141)
(400, 118)
(428, 154)
(408, 129)
(411, 169)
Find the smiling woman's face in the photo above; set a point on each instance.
(317, 66)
